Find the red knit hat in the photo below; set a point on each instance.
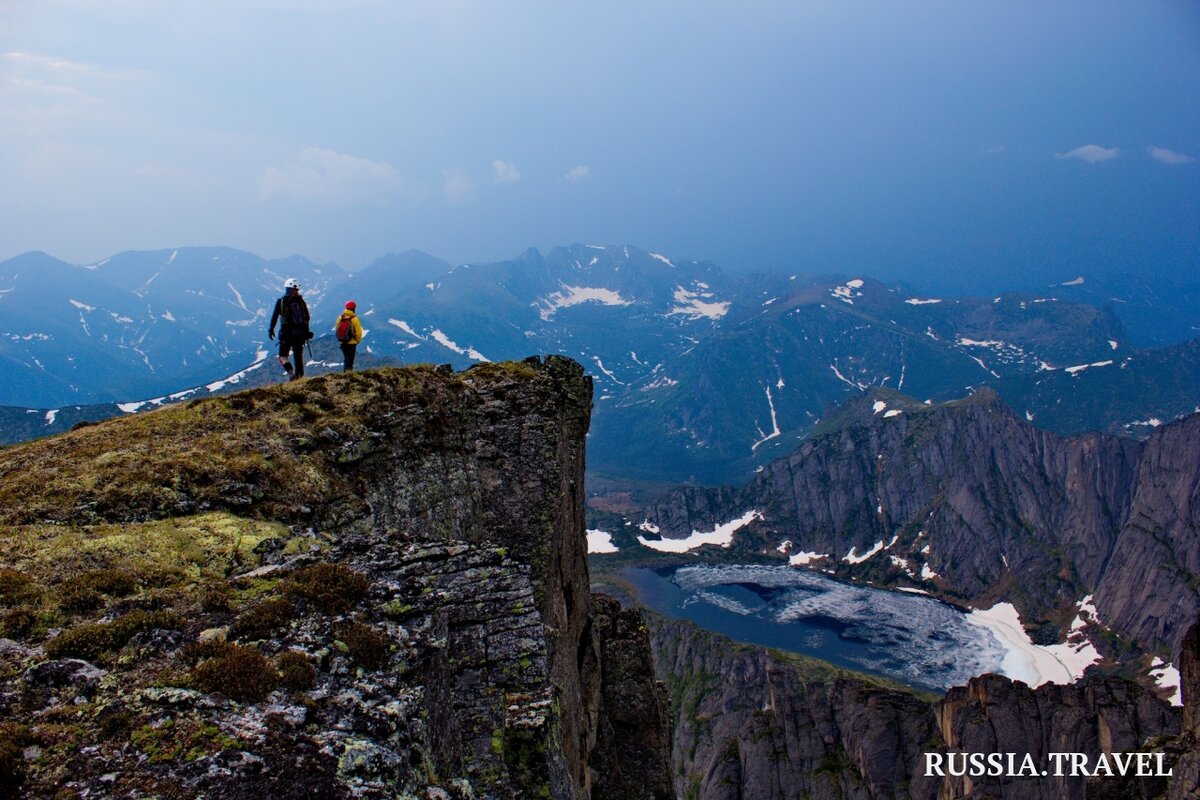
(350, 306)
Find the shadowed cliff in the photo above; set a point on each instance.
(369, 585)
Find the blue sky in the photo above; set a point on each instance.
(941, 142)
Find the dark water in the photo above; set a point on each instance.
(909, 638)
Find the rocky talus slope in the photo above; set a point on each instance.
(364, 585)
(755, 724)
(967, 501)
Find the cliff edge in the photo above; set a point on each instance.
(363, 585)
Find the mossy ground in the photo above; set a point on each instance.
(264, 453)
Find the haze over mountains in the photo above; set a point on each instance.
(700, 375)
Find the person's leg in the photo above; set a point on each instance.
(348, 350)
(284, 347)
(298, 355)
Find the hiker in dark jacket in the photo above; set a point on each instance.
(349, 333)
(293, 334)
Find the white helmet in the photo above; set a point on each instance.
(291, 283)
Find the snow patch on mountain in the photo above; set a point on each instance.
(696, 303)
(855, 558)
(916, 301)
(1028, 662)
(600, 542)
(1081, 367)
(1167, 677)
(848, 290)
(766, 437)
(404, 326)
(448, 343)
(663, 259)
(575, 295)
(720, 535)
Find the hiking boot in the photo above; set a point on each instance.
(288, 369)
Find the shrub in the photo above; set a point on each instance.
(240, 673)
(16, 587)
(216, 599)
(331, 588)
(90, 641)
(259, 621)
(111, 582)
(17, 623)
(296, 671)
(366, 646)
(13, 741)
(76, 599)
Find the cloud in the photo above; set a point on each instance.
(506, 172)
(1091, 153)
(1165, 156)
(458, 186)
(324, 176)
(577, 174)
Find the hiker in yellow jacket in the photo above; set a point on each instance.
(349, 333)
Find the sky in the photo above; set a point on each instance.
(943, 143)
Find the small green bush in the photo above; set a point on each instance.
(216, 599)
(240, 673)
(17, 623)
(90, 641)
(76, 599)
(261, 620)
(14, 739)
(16, 587)
(366, 646)
(111, 582)
(296, 671)
(331, 588)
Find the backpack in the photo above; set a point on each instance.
(345, 329)
(293, 314)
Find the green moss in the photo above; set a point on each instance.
(90, 641)
(331, 588)
(238, 672)
(184, 740)
(296, 671)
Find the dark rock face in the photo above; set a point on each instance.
(993, 714)
(447, 647)
(633, 736)
(750, 723)
(998, 509)
(756, 726)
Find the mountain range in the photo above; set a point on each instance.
(701, 375)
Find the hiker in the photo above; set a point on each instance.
(294, 332)
(349, 333)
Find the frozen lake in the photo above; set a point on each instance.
(915, 640)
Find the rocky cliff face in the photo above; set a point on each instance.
(760, 725)
(371, 585)
(976, 505)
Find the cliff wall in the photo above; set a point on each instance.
(972, 503)
(365, 585)
(755, 724)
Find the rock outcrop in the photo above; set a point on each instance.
(369, 585)
(970, 502)
(755, 724)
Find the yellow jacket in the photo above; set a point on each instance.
(356, 331)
